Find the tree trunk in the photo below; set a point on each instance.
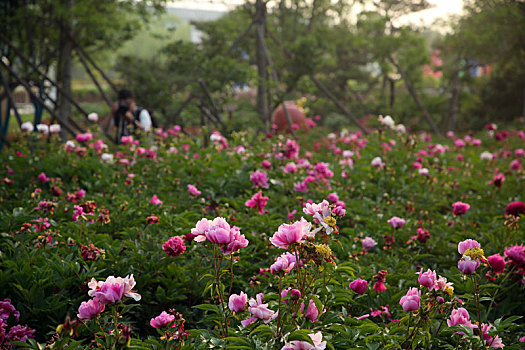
(65, 65)
(454, 99)
(262, 63)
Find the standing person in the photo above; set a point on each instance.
(126, 117)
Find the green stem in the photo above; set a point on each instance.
(115, 322)
(476, 299)
(279, 305)
(497, 291)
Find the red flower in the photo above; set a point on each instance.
(515, 208)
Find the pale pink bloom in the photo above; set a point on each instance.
(368, 243)
(467, 244)
(54, 128)
(93, 117)
(290, 168)
(411, 301)
(486, 156)
(396, 222)
(259, 310)
(199, 231)
(476, 142)
(43, 128)
(193, 190)
(520, 152)
(259, 179)
(427, 279)
(423, 171)
(237, 242)
(238, 302)
(285, 263)
(450, 134)
(27, 126)
(322, 208)
(443, 285)
(377, 163)
(155, 200)
(162, 320)
(459, 208)
(459, 143)
(317, 339)
(90, 309)
(258, 201)
(301, 187)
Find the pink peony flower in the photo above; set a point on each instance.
(113, 289)
(377, 163)
(411, 301)
(237, 242)
(422, 235)
(90, 309)
(396, 222)
(460, 316)
(317, 339)
(459, 143)
(155, 200)
(498, 180)
(266, 164)
(467, 265)
(515, 165)
(368, 243)
(287, 235)
(193, 191)
(459, 208)
(515, 208)
(259, 179)
(427, 279)
(290, 294)
(259, 310)
(467, 244)
(358, 286)
(238, 302)
(43, 178)
(492, 342)
(311, 312)
(285, 263)
(162, 320)
(258, 201)
(174, 246)
(290, 168)
(497, 263)
(84, 137)
(333, 197)
(516, 254)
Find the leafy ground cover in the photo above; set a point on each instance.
(389, 240)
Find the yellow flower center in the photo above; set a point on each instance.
(474, 253)
(330, 221)
(323, 251)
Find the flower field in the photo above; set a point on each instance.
(389, 240)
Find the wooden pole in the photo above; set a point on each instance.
(11, 99)
(178, 111)
(39, 100)
(92, 76)
(262, 93)
(412, 92)
(31, 64)
(323, 89)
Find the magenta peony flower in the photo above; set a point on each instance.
(358, 286)
(258, 201)
(411, 301)
(498, 180)
(84, 137)
(155, 200)
(460, 208)
(311, 312)
(396, 222)
(193, 191)
(162, 320)
(174, 246)
(6, 309)
(368, 243)
(285, 263)
(379, 287)
(516, 254)
(43, 177)
(515, 208)
(238, 302)
(339, 210)
(497, 263)
(20, 333)
(290, 294)
(219, 235)
(259, 310)
(460, 316)
(515, 165)
(90, 309)
(427, 279)
(259, 179)
(467, 244)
